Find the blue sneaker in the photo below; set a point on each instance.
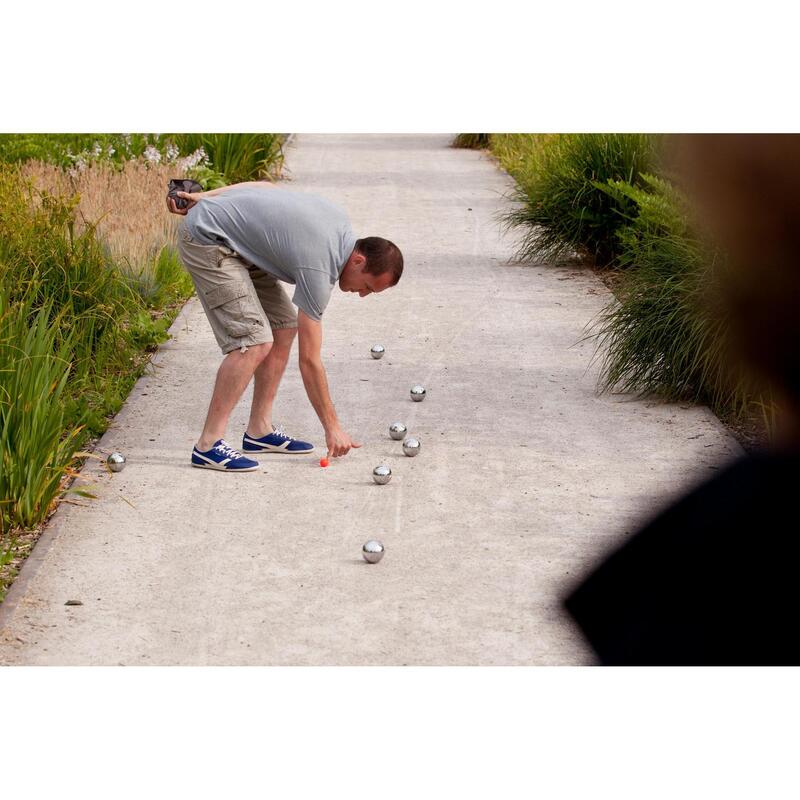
(276, 442)
(223, 457)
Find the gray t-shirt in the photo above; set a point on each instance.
(297, 237)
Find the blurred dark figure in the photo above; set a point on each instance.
(715, 579)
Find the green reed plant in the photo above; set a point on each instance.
(238, 156)
(36, 441)
(561, 210)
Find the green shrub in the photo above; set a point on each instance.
(562, 211)
(664, 333)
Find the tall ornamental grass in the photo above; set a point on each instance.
(561, 210)
(666, 332)
(471, 141)
(518, 153)
(126, 206)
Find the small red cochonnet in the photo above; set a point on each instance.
(323, 462)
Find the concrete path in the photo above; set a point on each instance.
(525, 475)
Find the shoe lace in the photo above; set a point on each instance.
(226, 450)
(279, 431)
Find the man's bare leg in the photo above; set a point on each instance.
(267, 379)
(233, 375)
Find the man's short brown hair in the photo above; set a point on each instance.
(382, 256)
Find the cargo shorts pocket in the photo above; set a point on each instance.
(229, 303)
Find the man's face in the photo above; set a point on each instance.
(357, 279)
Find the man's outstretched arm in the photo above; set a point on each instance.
(316, 383)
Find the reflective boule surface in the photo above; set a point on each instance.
(372, 551)
(411, 446)
(397, 431)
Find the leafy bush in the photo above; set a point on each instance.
(563, 212)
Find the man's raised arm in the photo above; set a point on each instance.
(192, 198)
(316, 383)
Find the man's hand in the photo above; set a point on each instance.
(339, 442)
(191, 200)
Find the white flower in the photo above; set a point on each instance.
(97, 149)
(198, 158)
(110, 151)
(151, 155)
(172, 152)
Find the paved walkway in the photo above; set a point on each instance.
(524, 478)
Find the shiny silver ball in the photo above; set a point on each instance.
(372, 551)
(417, 393)
(377, 350)
(382, 474)
(397, 431)
(411, 446)
(116, 462)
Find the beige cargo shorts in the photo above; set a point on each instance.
(242, 302)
